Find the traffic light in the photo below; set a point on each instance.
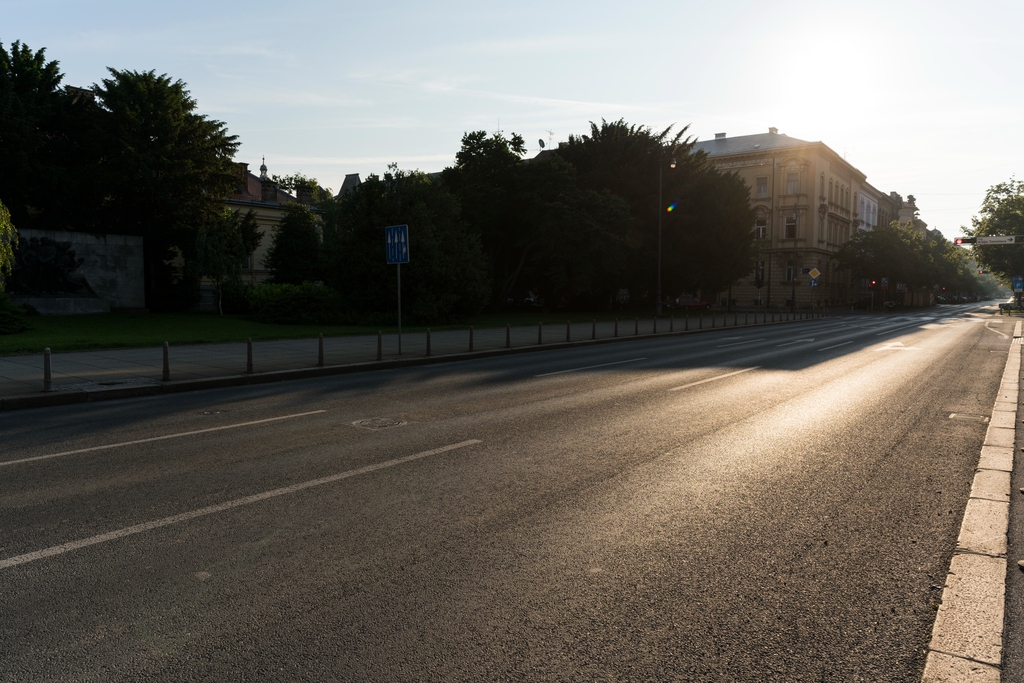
(873, 282)
(981, 271)
(964, 240)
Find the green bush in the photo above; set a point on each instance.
(235, 296)
(12, 317)
(305, 304)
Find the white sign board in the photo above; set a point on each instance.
(997, 239)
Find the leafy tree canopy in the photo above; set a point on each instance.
(8, 241)
(295, 249)
(446, 277)
(1002, 213)
(291, 183)
(222, 246)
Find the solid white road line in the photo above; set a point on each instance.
(836, 346)
(158, 438)
(589, 367)
(714, 379)
(221, 507)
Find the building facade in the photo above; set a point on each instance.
(808, 202)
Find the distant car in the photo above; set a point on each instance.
(692, 303)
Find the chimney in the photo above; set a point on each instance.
(773, 131)
(268, 190)
(243, 178)
(719, 136)
(304, 194)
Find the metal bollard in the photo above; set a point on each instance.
(686, 324)
(671, 323)
(746, 318)
(320, 351)
(428, 341)
(712, 320)
(568, 334)
(380, 345)
(470, 337)
(700, 321)
(167, 364)
(508, 336)
(636, 326)
(593, 329)
(248, 356)
(655, 328)
(616, 327)
(540, 333)
(47, 378)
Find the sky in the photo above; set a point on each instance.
(925, 98)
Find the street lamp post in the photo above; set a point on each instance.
(661, 208)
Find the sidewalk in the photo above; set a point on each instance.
(80, 376)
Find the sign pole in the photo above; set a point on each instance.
(399, 309)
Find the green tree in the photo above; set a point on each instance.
(222, 246)
(48, 144)
(8, 241)
(295, 249)
(1002, 213)
(539, 229)
(446, 277)
(164, 171)
(707, 237)
(292, 182)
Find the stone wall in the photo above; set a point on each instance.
(112, 265)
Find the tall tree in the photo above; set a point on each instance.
(8, 241)
(295, 253)
(165, 170)
(48, 144)
(1002, 213)
(222, 246)
(706, 238)
(446, 277)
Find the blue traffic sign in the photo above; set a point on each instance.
(814, 282)
(1018, 283)
(396, 238)
(885, 283)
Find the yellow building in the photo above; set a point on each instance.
(809, 201)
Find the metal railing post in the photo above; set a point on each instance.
(428, 341)
(380, 345)
(248, 356)
(167, 363)
(320, 351)
(540, 333)
(47, 377)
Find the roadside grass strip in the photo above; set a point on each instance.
(221, 507)
(967, 638)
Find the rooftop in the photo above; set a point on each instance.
(748, 144)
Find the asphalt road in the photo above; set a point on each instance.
(776, 503)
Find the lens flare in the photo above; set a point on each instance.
(671, 207)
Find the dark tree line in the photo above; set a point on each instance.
(129, 155)
(573, 226)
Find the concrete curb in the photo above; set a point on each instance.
(60, 398)
(967, 638)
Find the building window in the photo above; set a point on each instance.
(760, 228)
(247, 263)
(790, 227)
(761, 187)
(790, 271)
(831, 193)
(792, 183)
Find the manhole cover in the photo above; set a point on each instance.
(379, 423)
(966, 416)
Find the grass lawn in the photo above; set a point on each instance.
(128, 330)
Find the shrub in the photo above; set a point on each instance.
(12, 317)
(305, 304)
